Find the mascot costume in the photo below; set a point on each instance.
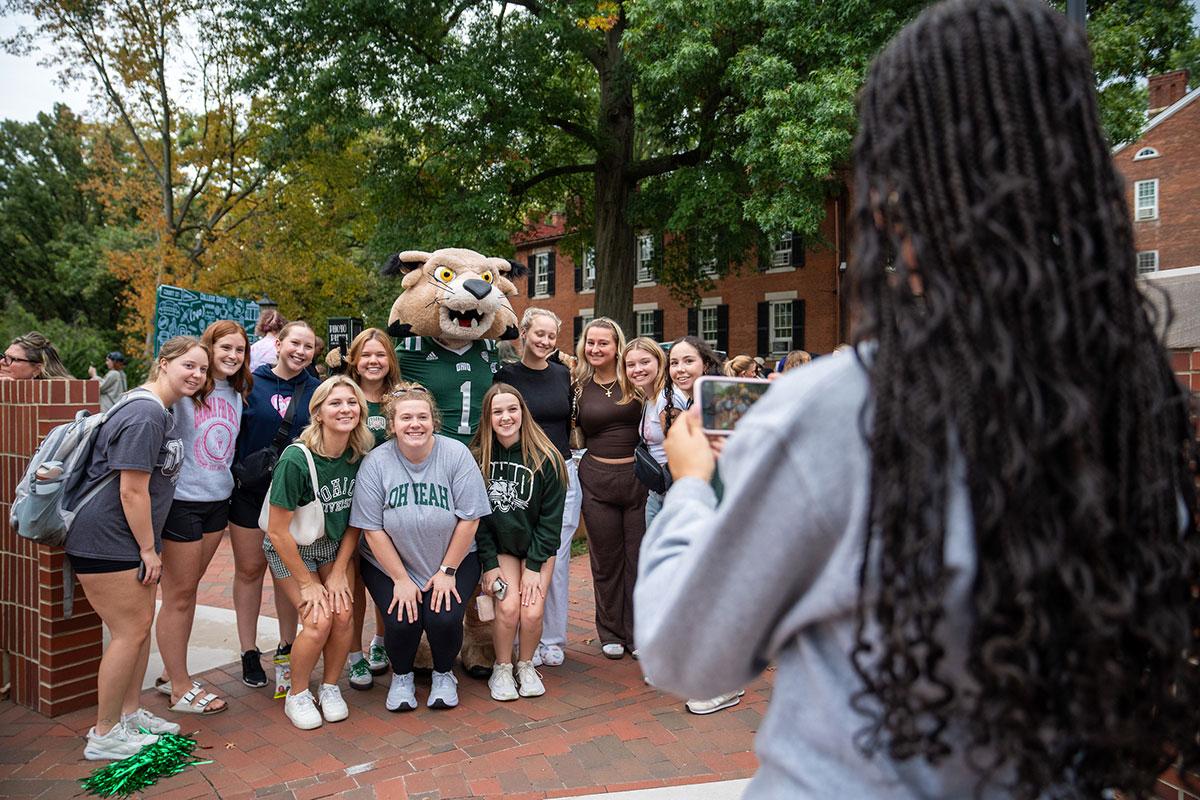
(453, 308)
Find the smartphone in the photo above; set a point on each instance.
(724, 401)
(141, 576)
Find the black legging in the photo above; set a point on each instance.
(443, 629)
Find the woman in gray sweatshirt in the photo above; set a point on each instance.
(969, 546)
(200, 511)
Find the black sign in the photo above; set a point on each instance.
(342, 330)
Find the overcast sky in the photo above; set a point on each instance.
(27, 87)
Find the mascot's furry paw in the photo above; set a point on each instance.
(477, 654)
(336, 360)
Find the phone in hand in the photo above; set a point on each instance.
(723, 401)
(141, 576)
(499, 588)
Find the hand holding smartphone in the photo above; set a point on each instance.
(724, 401)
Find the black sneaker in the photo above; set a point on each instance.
(252, 670)
(283, 653)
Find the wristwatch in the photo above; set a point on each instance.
(447, 570)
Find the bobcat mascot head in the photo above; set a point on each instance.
(453, 294)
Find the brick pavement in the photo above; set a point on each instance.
(598, 728)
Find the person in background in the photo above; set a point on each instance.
(418, 501)
(208, 427)
(113, 384)
(317, 578)
(796, 358)
(114, 541)
(614, 500)
(371, 363)
(545, 384)
(31, 357)
(741, 367)
(265, 351)
(976, 572)
(317, 367)
(526, 479)
(274, 390)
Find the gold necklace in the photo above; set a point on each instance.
(608, 390)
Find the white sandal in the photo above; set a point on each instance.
(188, 704)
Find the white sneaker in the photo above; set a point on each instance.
(502, 685)
(333, 707)
(549, 655)
(120, 742)
(360, 674)
(613, 650)
(155, 724)
(444, 693)
(302, 710)
(402, 696)
(530, 680)
(715, 704)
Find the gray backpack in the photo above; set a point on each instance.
(47, 500)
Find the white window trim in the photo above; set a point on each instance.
(536, 261)
(774, 270)
(776, 251)
(705, 302)
(588, 312)
(1141, 253)
(1145, 153)
(639, 315)
(1137, 207)
(591, 251)
(792, 295)
(771, 338)
(640, 283)
(716, 328)
(645, 306)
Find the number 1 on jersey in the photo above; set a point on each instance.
(464, 423)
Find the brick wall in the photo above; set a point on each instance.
(50, 660)
(816, 282)
(1175, 233)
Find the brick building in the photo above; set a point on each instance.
(794, 303)
(1162, 172)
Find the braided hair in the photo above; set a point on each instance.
(712, 366)
(994, 268)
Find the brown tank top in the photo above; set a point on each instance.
(611, 430)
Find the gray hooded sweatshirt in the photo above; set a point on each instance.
(771, 576)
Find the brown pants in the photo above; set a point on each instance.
(614, 508)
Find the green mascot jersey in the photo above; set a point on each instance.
(456, 380)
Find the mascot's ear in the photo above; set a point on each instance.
(517, 269)
(404, 263)
(509, 334)
(399, 330)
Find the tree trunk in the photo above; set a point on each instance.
(616, 262)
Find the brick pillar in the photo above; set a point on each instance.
(51, 661)
(1186, 366)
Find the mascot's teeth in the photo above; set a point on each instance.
(465, 319)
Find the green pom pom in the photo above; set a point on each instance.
(170, 755)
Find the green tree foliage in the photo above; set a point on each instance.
(52, 233)
(722, 120)
(1131, 40)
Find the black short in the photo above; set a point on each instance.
(189, 520)
(245, 505)
(91, 566)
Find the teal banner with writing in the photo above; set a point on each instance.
(185, 312)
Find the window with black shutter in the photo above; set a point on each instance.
(797, 257)
(532, 275)
(551, 257)
(693, 328)
(764, 329)
(579, 271)
(797, 324)
(577, 330)
(723, 328)
(658, 326)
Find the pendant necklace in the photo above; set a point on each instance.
(608, 390)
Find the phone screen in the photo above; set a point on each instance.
(724, 401)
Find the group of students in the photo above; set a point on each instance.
(413, 519)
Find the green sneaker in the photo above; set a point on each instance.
(377, 659)
(360, 675)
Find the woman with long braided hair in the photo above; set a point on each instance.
(971, 550)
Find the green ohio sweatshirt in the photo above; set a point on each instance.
(527, 510)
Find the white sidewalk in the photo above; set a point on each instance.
(716, 790)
